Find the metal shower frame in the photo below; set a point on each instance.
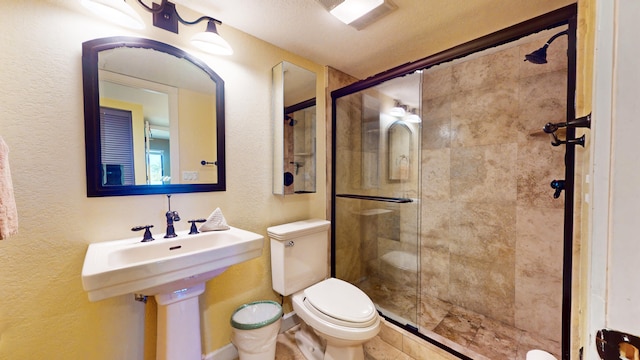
(563, 16)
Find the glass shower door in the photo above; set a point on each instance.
(376, 206)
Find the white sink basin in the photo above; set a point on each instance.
(119, 267)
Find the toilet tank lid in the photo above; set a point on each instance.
(297, 229)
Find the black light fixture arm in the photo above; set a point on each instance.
(163, 8)
(200, 19)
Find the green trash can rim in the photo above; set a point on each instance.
(257, 325)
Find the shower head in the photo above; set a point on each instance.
(540, 56)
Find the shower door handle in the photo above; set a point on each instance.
(375, 198)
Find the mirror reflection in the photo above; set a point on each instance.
(295, 129)
(158, 121)
(399, 151)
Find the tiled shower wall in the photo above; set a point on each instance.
(491, 231)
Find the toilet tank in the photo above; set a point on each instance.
(298, 254)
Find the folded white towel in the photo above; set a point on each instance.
(8, 210)
(215, 221)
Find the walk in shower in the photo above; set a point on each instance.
(442, 207)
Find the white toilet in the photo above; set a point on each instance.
(340, 313)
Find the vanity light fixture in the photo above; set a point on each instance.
(117, 11)
(412, 117)
(210, 41)
(398, 110)
(165, 16)
(404, 112)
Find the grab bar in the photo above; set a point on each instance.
(375, 198)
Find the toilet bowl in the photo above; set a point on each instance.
(341, 314)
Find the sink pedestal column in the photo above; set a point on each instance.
(179, 325)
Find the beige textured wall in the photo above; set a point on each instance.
(44, 312)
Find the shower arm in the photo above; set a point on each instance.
(565, 32)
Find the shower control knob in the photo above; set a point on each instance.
(559, 186)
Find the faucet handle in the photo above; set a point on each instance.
(147, 233)
(194, 229)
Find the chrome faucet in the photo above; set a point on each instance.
(171, 217)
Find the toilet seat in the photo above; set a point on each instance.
(341, 303)
(329, 327)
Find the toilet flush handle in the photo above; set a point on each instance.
(289, 243)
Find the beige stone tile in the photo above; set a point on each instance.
(434, 224)
(539, 248)
(436, 133)
(436, 82)
(400, 268)
(391, 334)
(537, 165)
(436, 170)
(459, 325)
(398, 299)
(486, 71)
(348, 165)
(496, 340)
(421, 350)
(348, 107)
(542, 99)
(483, 231)
(432, 311)
(378, 349)
(538, 304)
(347, 229)
(484, 173)
(485, 116)
(434, 272)
(530, 341)
(486, 287)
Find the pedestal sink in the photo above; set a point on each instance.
(174, 271)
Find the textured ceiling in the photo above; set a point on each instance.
(416, 29)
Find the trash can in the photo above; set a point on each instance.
(255, 328)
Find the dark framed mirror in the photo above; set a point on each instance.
(154, 119)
